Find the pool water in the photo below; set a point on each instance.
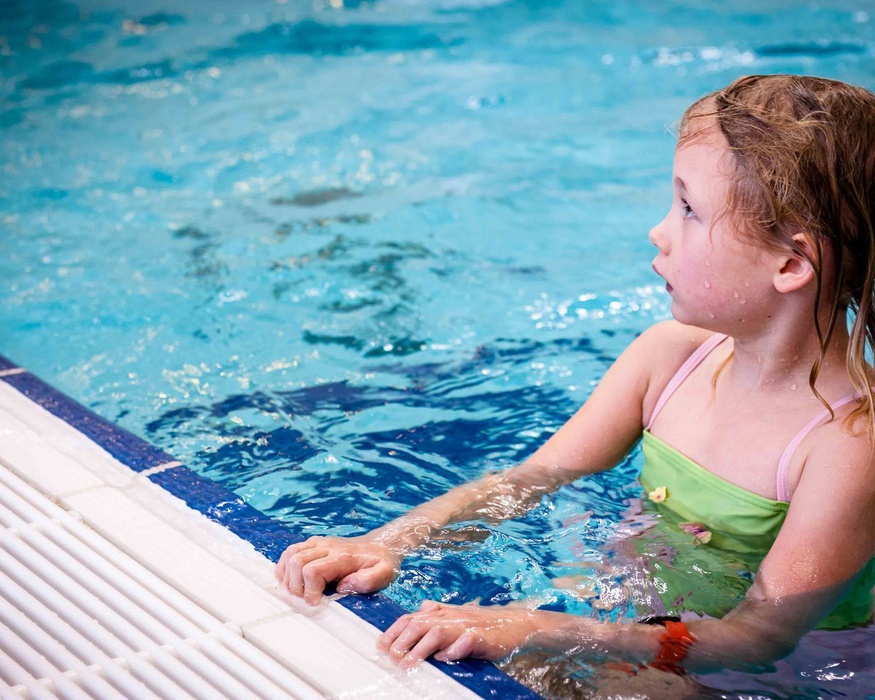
(341, 256)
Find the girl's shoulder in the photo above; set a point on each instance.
(661, 350)
(674, 337)
(836, 449)
(668, 345)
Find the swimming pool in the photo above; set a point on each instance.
(339, 256)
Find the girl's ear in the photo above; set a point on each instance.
(796, 269)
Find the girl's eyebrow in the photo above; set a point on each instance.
(680, 183)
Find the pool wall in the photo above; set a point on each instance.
(222, 506)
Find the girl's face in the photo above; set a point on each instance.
(716, 279)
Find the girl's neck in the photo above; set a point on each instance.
(782, 358)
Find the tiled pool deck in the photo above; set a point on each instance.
(199, 544)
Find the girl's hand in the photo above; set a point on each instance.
(453, 632)
(356, 564)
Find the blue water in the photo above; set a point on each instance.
(341, 256)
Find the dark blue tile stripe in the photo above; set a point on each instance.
(126, 447)
(6, 363)
(226, 508)
(218, 503)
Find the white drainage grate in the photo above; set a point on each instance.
(81, 619)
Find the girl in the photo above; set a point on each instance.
(754, 405)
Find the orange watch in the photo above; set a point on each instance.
(673, 647)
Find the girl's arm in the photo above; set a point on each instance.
(827, 538)
(594, 439)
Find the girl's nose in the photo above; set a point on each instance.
(658, 238)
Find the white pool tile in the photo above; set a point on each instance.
(313, 653)
(169, 553)
(26, 423)
(44, 466)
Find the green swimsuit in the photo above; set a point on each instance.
(734, 528)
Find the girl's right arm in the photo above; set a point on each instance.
(596, 438)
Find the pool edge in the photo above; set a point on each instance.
(225, 508)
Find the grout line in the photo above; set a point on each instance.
(159, 468)
(12, 371)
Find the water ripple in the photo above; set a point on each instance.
(312, 37)
(812, 49)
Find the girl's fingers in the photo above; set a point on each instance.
(387, 639)
(409, 638)
(294, 569)
(433, 640)
(459, 649)
(319, 572)
(290, 551)
(280, 570)
(368, 579)
(448, 633)
(358, 567)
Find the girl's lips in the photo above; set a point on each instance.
(668, 287)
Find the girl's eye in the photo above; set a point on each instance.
(687, 209)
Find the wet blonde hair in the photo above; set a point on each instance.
(804, 163)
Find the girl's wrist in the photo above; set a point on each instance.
(398, 536)
(560, 632)
(563, 632)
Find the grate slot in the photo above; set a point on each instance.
(46, 657)
(9, 668)
(47, 608)
(103, 601)
(79, 619)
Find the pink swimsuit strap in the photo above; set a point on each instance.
(685, 370)
(695, 360)
(784, 462)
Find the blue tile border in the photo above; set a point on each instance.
(6, 364)
(229, 510)
(126, 447)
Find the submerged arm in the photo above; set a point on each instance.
(827, 539)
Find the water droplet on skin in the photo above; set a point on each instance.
(735, 294)
(793, 387)
(742, 301)
(747, 284)
(710, 315)
(707, 284)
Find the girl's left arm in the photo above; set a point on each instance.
(826, 540)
